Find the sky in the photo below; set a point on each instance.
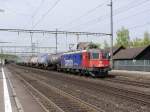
(71, 15)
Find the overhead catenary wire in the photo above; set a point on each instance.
(125, 9)
(35, 12)
(105, 17)
(45, 14)
(10, 10)
(28, 4)
(53, 32)
(133, 15)
(93, 20)
(139, 26)
(38, 8)
(125, 18)
(85, 14)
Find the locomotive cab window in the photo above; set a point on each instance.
(106, 55)
(94, 55)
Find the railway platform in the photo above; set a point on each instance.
(13, 95)
(134, 74)
(1, 93)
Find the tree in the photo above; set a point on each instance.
(146, 40)
(123, 37)
(137, 42)
(106, 45)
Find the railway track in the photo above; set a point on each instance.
(131, 95)
(81, 93)
(40, 98)
(129, 82)
(60, 100)
(58, 79)
(118, 80)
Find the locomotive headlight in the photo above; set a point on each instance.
(100, 62)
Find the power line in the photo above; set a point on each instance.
(139, 26)
(36, 11)
(138, 13)
(38, 8)
(28, 4)
(129, 17)
(10, 10)
(85, 23)
(85, 14)
(93, 20)
(128, 8)
(105, 17)
(134, 14)
(48, 11)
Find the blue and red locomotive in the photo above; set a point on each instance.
(86, 62)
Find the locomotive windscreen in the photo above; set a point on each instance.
(95, 55)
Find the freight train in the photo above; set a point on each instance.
(91, 62)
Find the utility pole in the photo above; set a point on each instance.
(2, 57)
(111, 29)
(87, 38)
(78, 39)
(66, 41)
(56, 41)
(31, 36)
(1, 10)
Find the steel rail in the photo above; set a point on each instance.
(132, 95)
(41, 94)
(129, 82)
(87, 106)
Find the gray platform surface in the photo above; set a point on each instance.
(27, 102)
(1, 93)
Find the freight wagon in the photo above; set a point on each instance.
(49, 61)
(33, 61)
(42, 60)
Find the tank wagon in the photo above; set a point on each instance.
(42, 61)
(54, 61)
(33, 61)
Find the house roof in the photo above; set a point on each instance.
(130, 53)
(115, 49)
